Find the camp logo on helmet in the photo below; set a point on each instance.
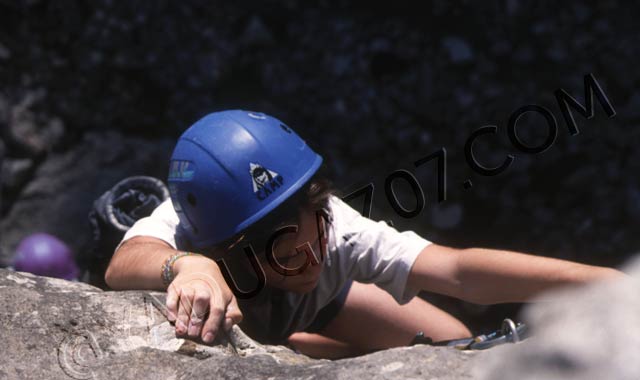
(265, 181)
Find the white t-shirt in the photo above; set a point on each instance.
(358, 248)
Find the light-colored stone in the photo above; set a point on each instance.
(57, 329)
(589, 333)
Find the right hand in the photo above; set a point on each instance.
(199, 300)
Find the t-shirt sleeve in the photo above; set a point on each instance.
(161, 224)
(380, 254)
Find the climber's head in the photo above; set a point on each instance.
(234, 173)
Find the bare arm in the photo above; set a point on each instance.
(488, 276)
(137, 264)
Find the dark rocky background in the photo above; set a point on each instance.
(95, 91)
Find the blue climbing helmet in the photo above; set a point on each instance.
(230, 169)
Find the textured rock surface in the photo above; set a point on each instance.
(590, 333)
(55, 329)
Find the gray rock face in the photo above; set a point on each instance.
(55, 329)
(66, 184)
(15, 172)
(590, 333)
(34, 132)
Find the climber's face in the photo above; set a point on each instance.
(297, 257)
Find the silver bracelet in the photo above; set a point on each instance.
(167, 268)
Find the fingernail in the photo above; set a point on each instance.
(181, 326)
(193, 329)
(208, 338)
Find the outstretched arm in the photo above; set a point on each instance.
(489, 276)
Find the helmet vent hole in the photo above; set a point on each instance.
(191, 199)
(286, 129)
